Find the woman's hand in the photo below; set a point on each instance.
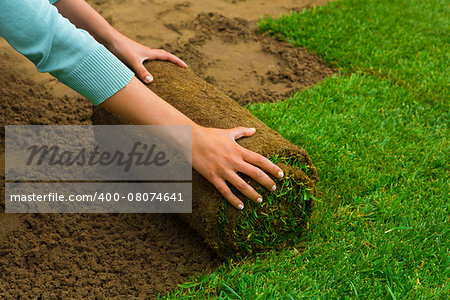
(134, 54)
(82, 15)
(218, 158)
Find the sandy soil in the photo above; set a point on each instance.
(228, 52)
(137, 255)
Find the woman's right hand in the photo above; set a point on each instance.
(218, 158)
(215, 153)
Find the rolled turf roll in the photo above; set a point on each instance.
(282, 217)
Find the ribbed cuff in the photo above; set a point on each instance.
(99, 76)
(53, 1)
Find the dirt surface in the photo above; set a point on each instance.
(135, 255)
(247, 66)
(83, 256)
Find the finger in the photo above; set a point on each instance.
(223, 189)
(142, 73)
(259, 176)
(238, 132)
(164, 55)
(245, 188)
(262, 162)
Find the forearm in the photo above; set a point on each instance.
(139, 105)
(83, 16)
(36, 29)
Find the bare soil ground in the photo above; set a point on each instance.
(137, 255)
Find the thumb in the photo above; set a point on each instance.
(143, 74)
(238, 132)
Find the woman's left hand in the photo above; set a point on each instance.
(131, 53)
(134, 54)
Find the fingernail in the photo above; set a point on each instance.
(274, 187)
(240, 206)
(185, 64)
(259, 200)
(252, 129)
(148, 79)
(280, 174)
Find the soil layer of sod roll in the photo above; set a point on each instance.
(281, 218)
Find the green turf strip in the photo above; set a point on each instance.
(404, 40)
(379, 138)
(382, 224)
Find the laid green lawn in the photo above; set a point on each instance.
(379, 137)
(406, 41)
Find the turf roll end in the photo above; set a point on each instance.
(282, 216)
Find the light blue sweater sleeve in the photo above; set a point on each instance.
(36, 29)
